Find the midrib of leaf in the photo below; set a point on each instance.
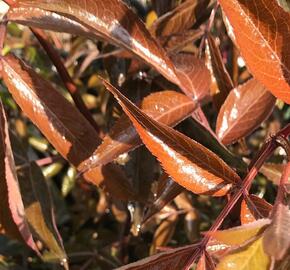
(17, 77)
(248, 18)
(185, 150)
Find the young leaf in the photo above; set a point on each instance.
(251, 257)
(188, 163)
(254, 208)
(112, 21)
(167, 107)
(193, 74)
(12, 215)
(238, 236)
(61, 123)
(276, 238)
(246, 107)
(261, 30)
(179, 19)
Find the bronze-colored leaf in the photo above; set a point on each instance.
(219, 73)
(61, 123)
(179, 19)
(192, 73)
(189, 164)
(261, 30)
(111, 20)
(168, 107)
(273, 172)
(276, 238)
(254, 208)
(246, 107)
(13, 221)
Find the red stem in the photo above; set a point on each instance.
(265, 152)
(67, 80)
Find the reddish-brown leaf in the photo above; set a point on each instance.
(179, 19)
(254, 208)
(12, 215)
(273, 172)
(192, 73)
(168, 107)
(111, 20)
(246, 107)
(61, 123)
(276, 238)
(188, 163)
(172, 259)
(219, 73)
(261, 30)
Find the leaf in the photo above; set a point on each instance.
(168, 107)
(219, 73)
(37, 202)
(273, 172)
(188, 163)
(240, 235)
(61, 123)
(251, 257)
(173, 259)
(163, 6)
(164, 233)
(112, 21)
(167, 191)
(179, 19)
(261, 32)
(284, 4)
(276, 238)
(205, 263)
(13, 221)
(193, 73)
(246, 107)
(254, 208)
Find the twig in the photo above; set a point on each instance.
(265, 152)
(67, 80)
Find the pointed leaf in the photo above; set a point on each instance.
(37, 202)
(188, 163)
(61, 123)
(168, 107)
(277, 236)
(254, 208)
(112, 21)
(12, 215)
(219, 73)
(261, 30)
(193, 73)
(251, 257)
(246, 107)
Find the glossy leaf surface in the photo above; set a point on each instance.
(261, 30)
(189, 164)
(62, 124)
(246, 107)
(112, 21)
(167, 107)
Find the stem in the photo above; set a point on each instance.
(3, 29)
(66, 78)
(265, 152)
